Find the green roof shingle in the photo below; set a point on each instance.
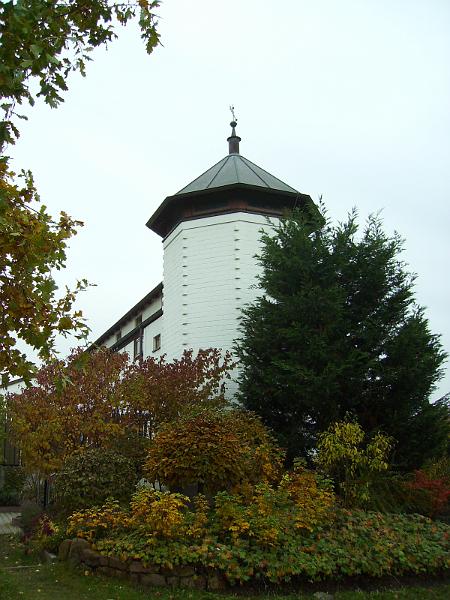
(235, 169)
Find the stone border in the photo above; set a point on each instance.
(79, 552)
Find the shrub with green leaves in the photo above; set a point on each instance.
(88, 478)
(344, 454)
(11, 489)
(30, 514)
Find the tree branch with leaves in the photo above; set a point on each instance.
(41, 43)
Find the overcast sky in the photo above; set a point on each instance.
(348, 99)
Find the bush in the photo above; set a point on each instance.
(13, 482)
(160, 513)
(312, 496)
(272, 514)
(437, 492)
(46, 535)
(215, 450)
(439, 468)
(353, 464)
(93, 523)
(132, 446)
(88, 478)
(29, 516)
(391, 493)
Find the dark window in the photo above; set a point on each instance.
(118, 335)
(138, 345)
(157, 342)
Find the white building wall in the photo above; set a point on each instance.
(209, 271)
(150, 331)
(151, 308)
(15, 387)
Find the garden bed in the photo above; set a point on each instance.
(79, 551)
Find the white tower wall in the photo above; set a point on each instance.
(209, 271)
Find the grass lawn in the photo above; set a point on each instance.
(22, 577)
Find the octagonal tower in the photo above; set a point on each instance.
(211, 232)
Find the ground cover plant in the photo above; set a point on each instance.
(24, 578)
(275, 534)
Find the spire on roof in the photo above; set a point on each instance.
(233, 140)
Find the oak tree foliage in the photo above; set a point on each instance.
(41, 43)
(32, 246)
(157, 391)
(337, 332)
(100, 400)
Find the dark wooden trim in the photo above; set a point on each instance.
(136, 332)
(137, 308)
(224, 200)
(183, 199)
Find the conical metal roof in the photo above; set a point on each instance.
(232, 170)
(233, 184)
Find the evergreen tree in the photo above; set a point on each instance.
(337, 332)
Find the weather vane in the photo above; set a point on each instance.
(232, 112)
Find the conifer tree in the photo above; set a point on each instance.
(337, 332)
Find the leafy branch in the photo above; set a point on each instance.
(41, 43)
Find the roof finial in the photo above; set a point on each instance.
(233, 140)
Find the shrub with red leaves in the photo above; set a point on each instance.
(438, 491)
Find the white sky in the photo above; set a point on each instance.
(349, 99)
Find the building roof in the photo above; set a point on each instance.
(137, 308)
(235, 169)
(222, 188)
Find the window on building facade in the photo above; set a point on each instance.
(138, 342)
(157, 342)
(138, 345)
(118, 335)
